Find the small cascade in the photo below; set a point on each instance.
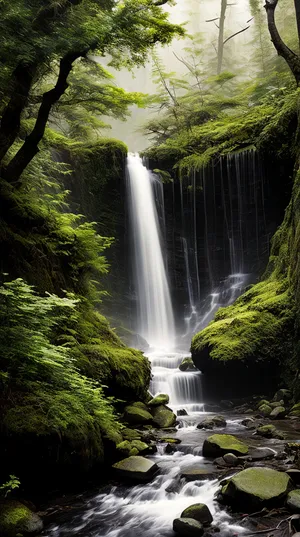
(155, 314)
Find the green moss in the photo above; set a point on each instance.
(258, 485)
(265, 410)
(161, 399)
(219, 444)
(17, 518)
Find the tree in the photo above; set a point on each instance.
(52, 39)
(291, 58)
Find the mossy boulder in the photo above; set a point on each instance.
(219, 444)
(135, 468)
(16, 518)
(161, 399)
(278, 413)
(199, 512)
(187, 365)
(269, 431)
(137, 416)
(130, 434)
(132, 448)
(293, 501)
(265, 410)
(255, 488)
(139, 404)
(295, 411)
(163, 417)
(169, 440)
(187, 527)
(212, 422)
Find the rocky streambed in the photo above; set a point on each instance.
(235, 472)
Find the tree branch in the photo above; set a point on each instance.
(236, 33)
(291, 58)
(30, 148)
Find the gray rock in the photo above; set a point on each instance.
(182, 412)
(197, 474)
(188, 527)
(136, 469)
(199, 512)
(212, 422)
(293, 501)
(231, 459)
(16, 518)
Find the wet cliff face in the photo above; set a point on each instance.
(217, 227)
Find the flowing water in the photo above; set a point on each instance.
(148, 510)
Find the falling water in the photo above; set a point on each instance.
(156, 321)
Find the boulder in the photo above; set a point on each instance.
(199, 512)
(265, 410)
(255, 488)
(250, 423)
(276, 404)
(294, 475)
(259, 454)
(295, 411)
(231, 459)
(212, 422)
(283, 394)
(136, 469)
(263, 402)
(130, 434)
(17, 519)
(269, 431)
(161, 399)
(182, 412)
(170, 448)
(197, 474)
(293, 501)
(163, 417)
(278, 413)
(137, 416)
(187, 527)
(187, 365)
(219, 444)
(167, 440)
(139, 404)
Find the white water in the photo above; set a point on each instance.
(156, 321)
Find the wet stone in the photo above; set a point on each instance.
(188, 527)
(197, 474)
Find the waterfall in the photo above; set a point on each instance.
(156, 321)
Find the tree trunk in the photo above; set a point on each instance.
(11, 118)
(29, 149)
(292, 59)
(221, 36)
(297, 9)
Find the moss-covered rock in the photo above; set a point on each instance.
(137, 416)
(269, 431)
(163, 417)
(293, 501)
(16, 518)
(161, 399)
(187, 365)
(135, 469)
(187, 527)
(219, 444)
(198, 511)
(212, 422)
(278, 413)
(256, 488)
(130, 434)
(265, 410)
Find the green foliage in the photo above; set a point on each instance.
(12, 484)
(50, 394)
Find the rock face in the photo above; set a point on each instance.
(293, 501)
(199, 512)
(211, 423)
(16, 518)
(135, 469)
(256, 488)
(163, 417)
(137, 416)
(219, 444)
(161, 399)
(188, 527)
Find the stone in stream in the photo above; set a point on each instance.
(17, 519)
(258, 454)
(197, 474)
(212, 422)
(182, 412)
(135, 469)
(187, 527)
(231, 459)
(265, 410)
(278, 413)
(161, 399)
(169, 440)
(270, 431)
(187, 364)
(137, 416)
(255, 488)
(219, 444)
(293, 501)
(199, 512)
(163, 416)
